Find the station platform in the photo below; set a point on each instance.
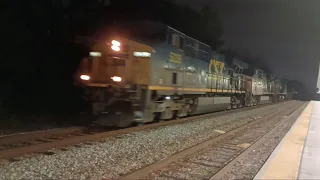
(297, 156)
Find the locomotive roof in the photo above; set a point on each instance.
(151, 28)
(188, 36)
(240, 63)
(154, 29)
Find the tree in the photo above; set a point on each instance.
(213, 28)
(204, 26)
(41, 58)
(247, 57)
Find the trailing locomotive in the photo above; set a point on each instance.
(159, 73)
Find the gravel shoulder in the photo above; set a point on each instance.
(122, 154)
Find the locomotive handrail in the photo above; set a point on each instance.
(196, 48)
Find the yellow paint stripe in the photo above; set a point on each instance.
(168, 88)
(97, 85)
(284, 162)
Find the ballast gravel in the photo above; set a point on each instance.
(119, 155)
(249, 165)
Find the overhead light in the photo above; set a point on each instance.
(141, 54)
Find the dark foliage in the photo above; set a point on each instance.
(254, 61)
(40, 56)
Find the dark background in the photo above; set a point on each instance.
(39, 55)
(284, 33)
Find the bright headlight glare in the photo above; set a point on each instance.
(115, 48)
(85, 77)
(115, 43)
(116, 78)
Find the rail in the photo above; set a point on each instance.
(77, 135)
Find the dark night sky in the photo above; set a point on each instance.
(286, 33)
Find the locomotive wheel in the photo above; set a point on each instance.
(193, 106)
(119, 119)
(157, 117)
(175, 115)
(233, 102)
(124, 119)
(123, 114)
(120, 115)
(167, 114)
(183, 111)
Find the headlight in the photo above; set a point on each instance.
(95, 54)
(116, 78)
(115, 45)
(115, 48)
(85, 77)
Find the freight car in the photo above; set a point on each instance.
(159, 73)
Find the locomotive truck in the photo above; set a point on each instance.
(153, 72)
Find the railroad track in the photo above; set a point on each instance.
(111, 158)
(38, 137)
(14, 146)
(216, 157)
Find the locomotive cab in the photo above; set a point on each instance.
(110, 74)
(112, 64)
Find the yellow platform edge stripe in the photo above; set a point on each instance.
(284, 162)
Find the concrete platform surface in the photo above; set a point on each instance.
(310, 163)
(298, 154)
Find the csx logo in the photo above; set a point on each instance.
(217, 65)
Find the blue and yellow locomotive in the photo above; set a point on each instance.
(158, 73)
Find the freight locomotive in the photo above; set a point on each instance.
(157, 73)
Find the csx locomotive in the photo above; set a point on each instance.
(158, 73)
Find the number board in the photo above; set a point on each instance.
(175, 58)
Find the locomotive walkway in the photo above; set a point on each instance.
(298, 154)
